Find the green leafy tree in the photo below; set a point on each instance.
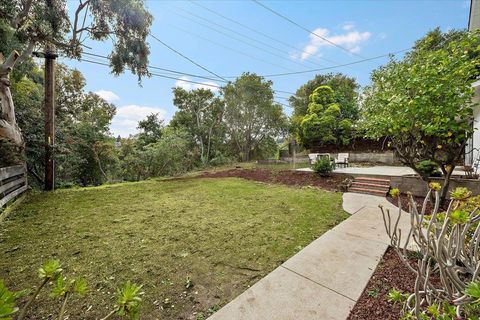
(46, 24)
(424, 102)
(324, 123)
(88, 151)
(200, 114)
(346, 95)
(251, 116)
(171, 155)
(150, 129)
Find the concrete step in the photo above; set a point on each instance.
(375, 192)
(372, 180)
(370, 185)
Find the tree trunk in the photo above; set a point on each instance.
(9, 129)
(446, 184)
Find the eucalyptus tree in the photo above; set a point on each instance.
(46, 25)
(252, 118)
(200, 113)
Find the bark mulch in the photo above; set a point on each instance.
(419, 202)
(286, 177)
(373, 303)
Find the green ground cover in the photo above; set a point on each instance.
(223, 234)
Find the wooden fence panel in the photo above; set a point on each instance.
(13, 182)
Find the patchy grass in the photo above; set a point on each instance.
(222, 234)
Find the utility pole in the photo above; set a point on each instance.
(49, 111)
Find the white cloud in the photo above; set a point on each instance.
(355, 49)
(213, 86)
(126, 119)
(348, 26)
(110, 96)
(351, 40)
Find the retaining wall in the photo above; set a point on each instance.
(418, 187)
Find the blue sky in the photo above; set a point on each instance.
(365, 28)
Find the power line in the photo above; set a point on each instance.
(174, 71)
(305, 29)
(162, 69)
(173, 78)
(330, 67)
(223, 27)
(156, 74)
(231, 49)
(185, 57)
(255, 30)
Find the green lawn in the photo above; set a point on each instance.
(224, 234)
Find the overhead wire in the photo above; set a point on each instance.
(223, 27)
(179, 79)
(164, 69)
(185, 57)
(305, 29)
(286, 44)
(229, 48)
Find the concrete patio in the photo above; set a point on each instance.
(387, 171)
(326, 278)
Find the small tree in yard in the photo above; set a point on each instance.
(423, 104)
(324, 121)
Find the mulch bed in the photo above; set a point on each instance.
(286, 177)
(373, 304)
(418, 200)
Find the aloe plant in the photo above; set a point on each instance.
(64, 289)
(7, 301)
(448, 244)
(51, 270)
(128, 302)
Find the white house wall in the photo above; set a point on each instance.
(476, 126)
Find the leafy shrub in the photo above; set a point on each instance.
(323, 166)
(428, 168)
(219, 159)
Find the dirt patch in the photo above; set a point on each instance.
(418, 200)
(286, 177)
(390, 273)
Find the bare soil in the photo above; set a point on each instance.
(373, 304)
(285, 177)
(418, 200)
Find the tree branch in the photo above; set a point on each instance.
(75, 22)
(8, 64)
(22, 14)
(26, 53)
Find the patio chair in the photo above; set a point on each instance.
(342, 159)
(313, 157)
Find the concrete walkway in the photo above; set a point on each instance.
(326, 278)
